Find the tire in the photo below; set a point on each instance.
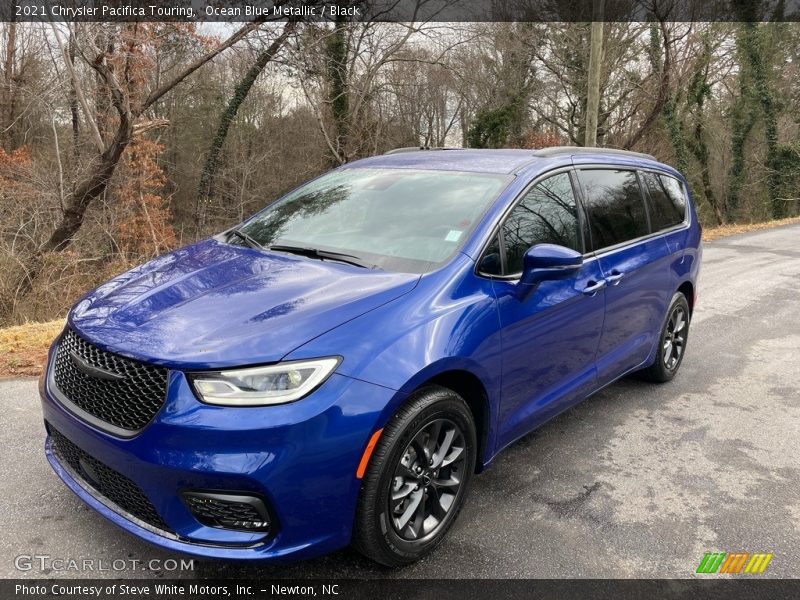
(671, 342)
(405, 444)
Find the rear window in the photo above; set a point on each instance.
(667, 208)
(614, 206)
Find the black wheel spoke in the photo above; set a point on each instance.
(427, 479)
(674, 338)
(405, 489)
(438, 509)
(423, 458)
(450, 482)
(433, 440)
(680, 322)
(441, 452)
(454, 455)
(422, 511)
(406, 472)
(410, 511)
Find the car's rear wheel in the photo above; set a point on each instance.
(672, 342)
(417, 478)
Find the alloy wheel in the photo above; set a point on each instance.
(675, 338)
(427, 480)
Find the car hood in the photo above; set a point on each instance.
(214, 305)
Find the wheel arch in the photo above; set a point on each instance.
(467, 384)
(687, 289)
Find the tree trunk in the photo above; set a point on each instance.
(8, 97)
(73, 102)
(89, 189)
(595, 68)
(206, 186)
(764, 90)
(337, 52)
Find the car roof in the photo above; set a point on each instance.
(457, 159)
(501, 161)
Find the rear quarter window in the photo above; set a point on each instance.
(614, 206)
(676, 193)
(667, 204)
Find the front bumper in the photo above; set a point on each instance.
(300, 457)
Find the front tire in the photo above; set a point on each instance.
(672, 341)
(417, 478)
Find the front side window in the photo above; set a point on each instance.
(397, 219)
(664, 211)
(547, 214)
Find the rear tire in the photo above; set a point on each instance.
(671, 342)
(417, 478)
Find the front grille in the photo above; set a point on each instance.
(113, 486)
(126, 393)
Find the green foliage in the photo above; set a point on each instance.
(655, 49)
(787, 163)
(236, 100)
(337, 50)
(491, 127)
(757, 98)
(676, 135)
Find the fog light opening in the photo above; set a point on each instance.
(229, 510)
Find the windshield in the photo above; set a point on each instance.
(396, 219)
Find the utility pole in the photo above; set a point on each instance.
(593, 79)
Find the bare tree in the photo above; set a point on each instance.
(595, 67)
(129, 110)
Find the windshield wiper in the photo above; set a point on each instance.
(246, 239)
(323, 254)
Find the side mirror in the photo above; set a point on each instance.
(544, 262)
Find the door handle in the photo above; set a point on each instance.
(594, 287)
(615, 277)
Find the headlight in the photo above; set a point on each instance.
(261, 386)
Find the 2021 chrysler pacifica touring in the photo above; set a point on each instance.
(335, 369)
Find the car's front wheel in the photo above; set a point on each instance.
(417, 478)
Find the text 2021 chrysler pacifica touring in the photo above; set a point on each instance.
(335, 369)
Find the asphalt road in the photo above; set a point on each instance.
(638, 481)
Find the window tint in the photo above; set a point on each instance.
(546, 215)
(674, 189)
(663, 212)
(614, 206)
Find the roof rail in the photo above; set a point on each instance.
(418, 148)
(555, 150)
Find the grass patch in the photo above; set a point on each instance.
(714, 233)
(23, 348)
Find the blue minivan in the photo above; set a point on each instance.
(334, 370)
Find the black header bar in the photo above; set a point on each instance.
(396, 10)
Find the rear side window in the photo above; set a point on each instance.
(614, 205)
(547, 214)
(676, 193)
(664, 210)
